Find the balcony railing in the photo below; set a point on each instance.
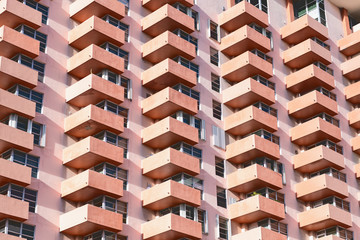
(325, 117)
(264, 81)
(265, 162)
(273, 225)
(335, 201)
(331, 172)
(328, 144)
(336, 231)
(266, 135)
(324, 67)
(262, 55)
(268, 193)
(266, 108)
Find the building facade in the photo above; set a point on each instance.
(179, 119)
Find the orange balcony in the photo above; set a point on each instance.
(91, 151)
(90, 184)
(311, 104)
(171, 226)
(13, 208)
(314, 131)
(12, 72)
(167, 45)
(303, 28)
(4, 236)
(91, 120)
(166, 18)
(11, 172)
(81, 10)
(350, 44)
(167, 74)
(242, 40)
(242, 14)
(351, 68)
(249, 120)
(91, 90)
(259, 233)
(95, 31)
(306, 53)
(167, 102)
(246, 65)
(323, 217)
(14, 13)
(354, 118)
(169, 194)
(256, 208)
(153, 5)
(87, 219)
(352, 93)
(167, 132)
(320, 187)
(94, 59)
(251, 147)
(14, 138)
(318, 158)
(170, 162)
(246, 93)
(13, 42)
(251, 178)
(11, 103)
(309, 78)
(355, 144)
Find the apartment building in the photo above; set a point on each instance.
(179, 119)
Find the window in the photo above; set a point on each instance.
(273, 225)
(22, 158)
(195, 16)
(31, 63)
(216, 106)
(119, 80)
(214, 31)
(188, 180)
(188, 91)
(117, 51)
(337, 231)
(127, 5)
(264, 81)
(221, 197)
(331, 172)
(114, 139)
(24, 124)
(21, 193)
(352, 23)
(218, 137)
(114, 108)
(314, 8)
(268, 193)
(266, 135)
(115, 22)
(266, 108)
(335, 201)
(265, 162)
(188, 212)
(188, 149)
(192, 121)
(329, 144)
(261, 4)
(219, 167)
(186, 63)
(30, 94)
(111, 204)
(18, 229)
(41, 8)
(188, 11)
(42, 38)
(104, 235)
(223, 230)
(113, 171)
(215, 82)
(187, 37)
(262, 55)
(214, 56)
